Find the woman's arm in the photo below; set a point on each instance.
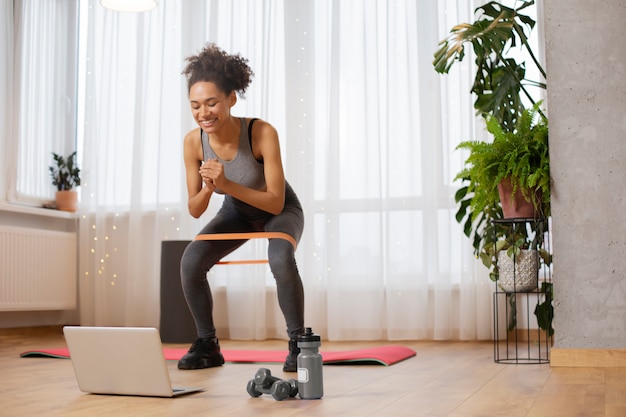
(265, 145)
(198, 196)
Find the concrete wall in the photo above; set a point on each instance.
(586, 75)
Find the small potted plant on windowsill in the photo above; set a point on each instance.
(65, 177)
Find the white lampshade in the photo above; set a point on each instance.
(129, 5)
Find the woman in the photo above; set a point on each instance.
(239, 158)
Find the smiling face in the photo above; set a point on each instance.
(210, 106)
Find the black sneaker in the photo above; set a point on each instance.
(204, 353)
(291, 361)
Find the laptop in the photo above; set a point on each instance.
(120, 361)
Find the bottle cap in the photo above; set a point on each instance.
(309, 336)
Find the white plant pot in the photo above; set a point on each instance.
(521, 275)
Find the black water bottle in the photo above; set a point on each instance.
(310, 378)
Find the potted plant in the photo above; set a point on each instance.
(499, 85)
(518, 154)
(65, 177)
(519, 158)
(514, 254)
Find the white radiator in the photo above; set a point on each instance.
(37, 269)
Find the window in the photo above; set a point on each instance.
(43, 80)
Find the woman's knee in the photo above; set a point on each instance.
(193, 262)
(281, 258)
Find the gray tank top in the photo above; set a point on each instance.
(243, 169)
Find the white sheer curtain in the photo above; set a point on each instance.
(367, 132)
(131, 146)
(6, 86)
(374, 155)
(42, 73)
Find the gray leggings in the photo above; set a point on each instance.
(200, 256)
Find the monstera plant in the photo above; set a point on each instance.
(500, 83)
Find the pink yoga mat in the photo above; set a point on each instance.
(383, 355)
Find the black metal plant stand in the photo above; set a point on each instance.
(518, 339)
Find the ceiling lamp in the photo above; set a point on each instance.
(129, 5)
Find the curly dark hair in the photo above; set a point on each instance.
(228, 72)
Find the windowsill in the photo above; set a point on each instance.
(37, 211)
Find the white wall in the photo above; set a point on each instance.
(586, 68)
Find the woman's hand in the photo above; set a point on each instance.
(198, 195)
(212, 173)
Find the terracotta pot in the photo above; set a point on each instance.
(67, 200)
(517, 207)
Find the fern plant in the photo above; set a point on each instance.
(520, 155)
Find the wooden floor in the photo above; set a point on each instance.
(455, 379)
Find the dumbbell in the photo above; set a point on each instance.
(265, 383)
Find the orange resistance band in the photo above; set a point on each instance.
(247, 236)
